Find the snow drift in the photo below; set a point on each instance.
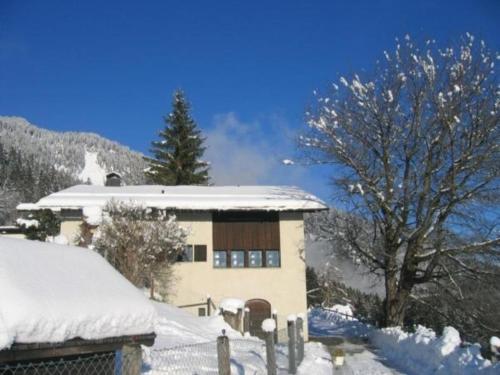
(423, 352)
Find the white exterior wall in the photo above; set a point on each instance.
(284, 287)
(13, 235)
(71, 230)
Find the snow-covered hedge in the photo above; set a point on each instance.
(423, 352)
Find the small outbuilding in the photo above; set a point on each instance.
(65, 310)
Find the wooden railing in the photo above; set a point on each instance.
(210, 305)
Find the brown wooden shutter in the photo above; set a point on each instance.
(200, 253)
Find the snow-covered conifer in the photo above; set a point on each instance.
(177, 154)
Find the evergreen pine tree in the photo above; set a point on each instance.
(177, 154)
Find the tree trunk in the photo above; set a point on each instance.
(395, 301)
(151, 286)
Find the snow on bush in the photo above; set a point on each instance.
(53, 293)
(231, 304)
(423, 352)
(137, 242)
(28, 223)
(92, 215)
(268, 325)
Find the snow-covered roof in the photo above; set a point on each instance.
(53, 293)
(271, 198)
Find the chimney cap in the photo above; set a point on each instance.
(113, 179)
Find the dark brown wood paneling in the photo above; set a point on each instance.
(246, 230)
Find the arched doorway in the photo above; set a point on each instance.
(260, 310)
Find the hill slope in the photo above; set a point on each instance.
(35, 162)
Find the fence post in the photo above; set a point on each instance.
(292, 363)
(275, 317)
(209, 306)
(246, 320)
(300, 339)
(223, 359)
(131, 360)
(239, 317)
(270, 353)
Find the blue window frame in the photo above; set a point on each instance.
(255, 258)
(237, 258)
(273, 258)
(220, 259)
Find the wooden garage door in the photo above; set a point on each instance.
(260, 310)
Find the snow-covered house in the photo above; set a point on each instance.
(58, 302)
(245, 242)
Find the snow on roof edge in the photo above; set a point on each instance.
(196, 198)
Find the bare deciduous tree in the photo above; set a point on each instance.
(141, 245)
(415, 148)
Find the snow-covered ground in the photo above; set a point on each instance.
(329, 323)
(186, 344)
(338, 331)
(393, 351)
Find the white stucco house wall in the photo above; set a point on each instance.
(244, 242)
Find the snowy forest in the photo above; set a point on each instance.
(35, 162)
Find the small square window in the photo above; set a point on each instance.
(255, 258)
(220, 259)
(186, 255)
(237, 258)
(272, 258)
(200, 253)
(202, 311)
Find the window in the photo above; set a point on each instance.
(71, 214)
(255, 258)
(220, 259)
(237, 258)
(200, 253)
(186, 255)
(202, 311)
(272, 258)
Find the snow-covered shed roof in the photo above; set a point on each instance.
(271, 198)
(52, 293)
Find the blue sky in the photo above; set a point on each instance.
(248, 67)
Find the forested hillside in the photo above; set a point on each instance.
(35, 162)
